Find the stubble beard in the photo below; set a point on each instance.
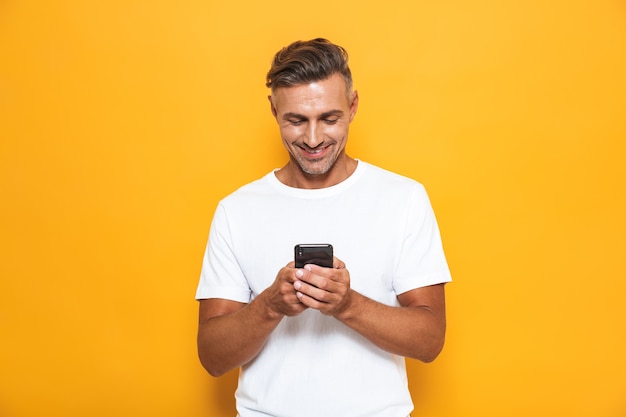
(319, 166)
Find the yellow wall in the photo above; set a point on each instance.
(123, 122)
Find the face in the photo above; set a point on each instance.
(314, 120)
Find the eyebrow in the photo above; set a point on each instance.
(324, 115)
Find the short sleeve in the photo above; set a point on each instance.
(221, 276)
(422, 261)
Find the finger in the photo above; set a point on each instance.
(309, 301)
(305, 291)
(315, 276)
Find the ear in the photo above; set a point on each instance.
(273, 108)
(354, 106)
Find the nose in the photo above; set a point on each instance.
(314, 136)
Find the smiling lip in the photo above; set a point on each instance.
(314, 153)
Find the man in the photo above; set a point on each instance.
(315, 341)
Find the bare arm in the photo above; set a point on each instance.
(231, 334)
(415, 330)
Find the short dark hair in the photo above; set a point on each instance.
(305, 62)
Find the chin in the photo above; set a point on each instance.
(317, 166)
(315, 169)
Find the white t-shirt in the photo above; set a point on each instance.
(382, 226)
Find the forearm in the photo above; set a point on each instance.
(227, 341)
(413, 331)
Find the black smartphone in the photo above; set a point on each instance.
(318, 254)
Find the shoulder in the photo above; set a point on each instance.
(386, 178)
(252, 190)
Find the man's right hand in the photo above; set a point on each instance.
(231, 333)
(280, 297)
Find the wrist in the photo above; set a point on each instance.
(267, 308)
(349, 308)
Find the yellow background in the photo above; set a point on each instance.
(122, 123)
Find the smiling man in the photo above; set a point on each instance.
(319, 341)
(314, 120)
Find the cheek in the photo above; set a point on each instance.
(336, 131)
(289, 133)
